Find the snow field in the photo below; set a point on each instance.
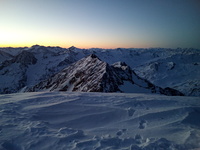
(69, 120)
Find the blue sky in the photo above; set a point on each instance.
(100, 23)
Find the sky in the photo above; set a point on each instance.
(100, 23)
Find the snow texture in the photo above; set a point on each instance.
(73, 120)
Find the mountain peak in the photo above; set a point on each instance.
(93, 56)
(84, 75)
(26, 58)
(72, 48)
(90, 74)
(36, 46)
(91, 59)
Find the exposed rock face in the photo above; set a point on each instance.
(170, 91)
(90, 74)
(174, 68)
(84, 75)
(13, 75)
(4, 56)
(25, 58)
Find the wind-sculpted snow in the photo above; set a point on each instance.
(63, 120)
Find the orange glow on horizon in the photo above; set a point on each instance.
(26, 38)
(81, 46)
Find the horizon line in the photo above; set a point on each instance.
(99, 47)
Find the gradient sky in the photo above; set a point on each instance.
(100, 23)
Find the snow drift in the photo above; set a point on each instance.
(64, 120)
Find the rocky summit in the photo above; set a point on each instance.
(154, 70)
(91, 74)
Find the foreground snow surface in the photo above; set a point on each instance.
(59, 120)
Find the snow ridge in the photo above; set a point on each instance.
(175, 68)
(90, 74)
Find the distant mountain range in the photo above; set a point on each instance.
(39, 68)
(90, 74)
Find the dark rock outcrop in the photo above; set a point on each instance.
(90, 74)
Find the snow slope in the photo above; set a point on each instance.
(180, 71)
(174, 68)
(73, 120)
(4, 56)
(19, 72)
(90, 74)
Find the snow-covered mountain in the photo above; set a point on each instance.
(179, 71)
(13, 72)
(4, 56)
(28, 66)
(90, 74)
(175, 68)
